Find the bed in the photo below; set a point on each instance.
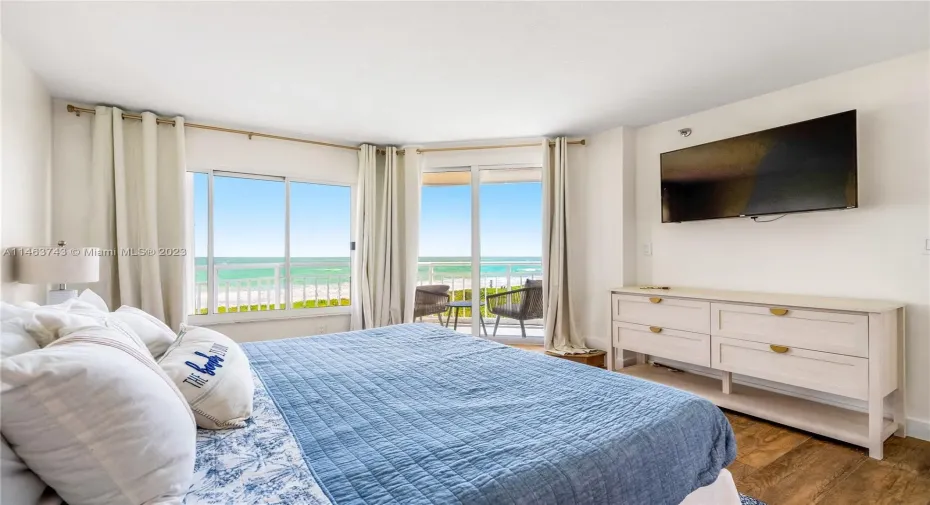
(417, 414)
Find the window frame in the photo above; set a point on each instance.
(213, 317)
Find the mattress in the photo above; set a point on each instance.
(419, 414)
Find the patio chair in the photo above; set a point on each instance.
(429, 300)
(520, 304)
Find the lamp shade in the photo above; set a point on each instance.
(58, 265)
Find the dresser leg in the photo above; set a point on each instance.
(898, 401)
(727, 381)
(610, 358)
(876, 419)
(878, 327)
(899, 417)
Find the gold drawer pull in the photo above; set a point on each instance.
(780, 349)
(778, 312)
(655, 329)
(655, 299)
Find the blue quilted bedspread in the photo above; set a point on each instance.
(417, 414)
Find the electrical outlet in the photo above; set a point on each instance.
(647, 249)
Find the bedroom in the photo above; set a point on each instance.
(265, 172)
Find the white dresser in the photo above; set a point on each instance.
(849, 348)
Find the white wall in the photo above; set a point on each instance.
(206, 150)
(211, 150)
(528, 156)
(602, 192)
(875, 251)
(27, 159)
(253, 331)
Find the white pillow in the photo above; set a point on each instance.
(52, 325)
(94, 299)
(213, 373)
(47, 324)
(156, 334)
(44, 322)
(20, 485)
(14, 339)
(8, 312)
(96, 419)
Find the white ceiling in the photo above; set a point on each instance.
(425, 72)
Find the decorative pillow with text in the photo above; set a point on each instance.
(214, 376)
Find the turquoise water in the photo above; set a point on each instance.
(491, 267)
(338, 269)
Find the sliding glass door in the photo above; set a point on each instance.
(481, 237)
(510, 218)
(446, 248)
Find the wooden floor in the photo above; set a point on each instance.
(784, 466)
(529, 347)
(781, 466)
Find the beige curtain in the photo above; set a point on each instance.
(386, 252)
(136, 209)
(560, 332)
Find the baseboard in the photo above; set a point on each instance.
(916, 428)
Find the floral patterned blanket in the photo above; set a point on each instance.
(258, 464)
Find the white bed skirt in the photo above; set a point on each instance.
(721, 492)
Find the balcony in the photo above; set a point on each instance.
(261, 286)
(496, 277)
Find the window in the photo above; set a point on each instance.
(268, 244)
(320, 236)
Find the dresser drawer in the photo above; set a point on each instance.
(662, 342)
(835, 332)
(674, 313)
(820, 371)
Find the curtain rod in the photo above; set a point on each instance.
(78, 110)
(160, 120)
(498, 146)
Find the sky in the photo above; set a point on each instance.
(249, 219)
(510, 215)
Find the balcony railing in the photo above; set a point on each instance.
(246, 287)
(495, 277)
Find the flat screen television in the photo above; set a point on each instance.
(800, 167)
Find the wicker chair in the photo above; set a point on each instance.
(431, 300)
(520, 304)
